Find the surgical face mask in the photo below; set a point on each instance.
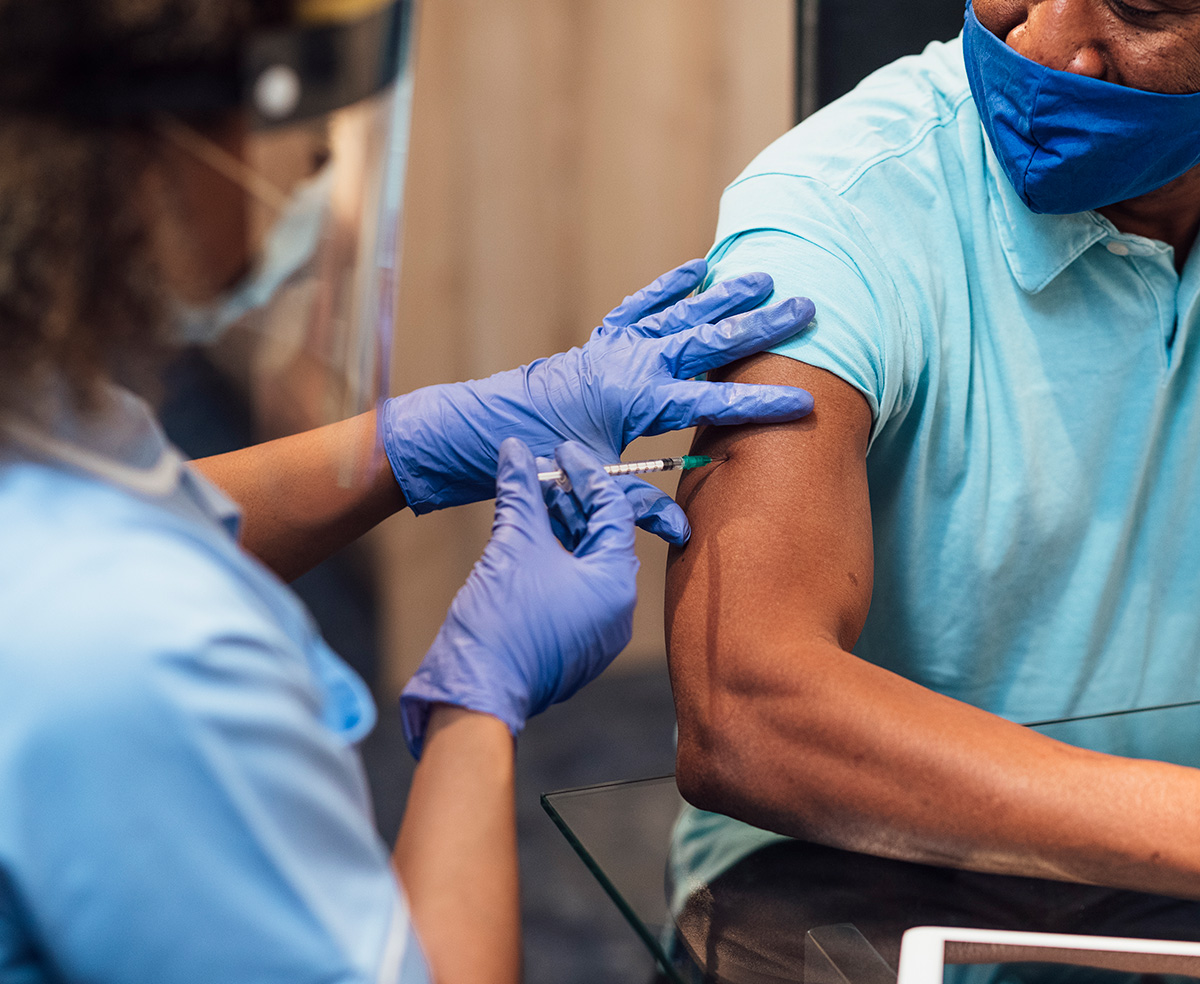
(1068, 142)
(290, 244)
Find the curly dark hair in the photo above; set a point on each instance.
(80, 294)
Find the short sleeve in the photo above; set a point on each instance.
(176, 810)
(816, 245)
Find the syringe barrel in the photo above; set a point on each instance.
(640, 467)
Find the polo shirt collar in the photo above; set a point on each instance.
(1037, 247)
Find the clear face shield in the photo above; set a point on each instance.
(307, 244)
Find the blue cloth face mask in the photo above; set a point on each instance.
(291, 243)
(1068, 142)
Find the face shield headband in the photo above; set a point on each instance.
(326, 55)
(1070, 143)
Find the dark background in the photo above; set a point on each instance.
(855, 37)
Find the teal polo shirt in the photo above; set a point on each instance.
(1034, 461)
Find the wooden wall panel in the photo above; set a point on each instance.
(565, 152)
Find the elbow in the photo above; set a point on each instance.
(696, 775)
(741, 776)
(736, 760)
(713, 768)
(746, 734)
(721, 725)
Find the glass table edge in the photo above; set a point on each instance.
(1097, 716)
(631, 917)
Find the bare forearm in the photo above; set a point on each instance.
(457, 851)
(305, 497)
(845, 753)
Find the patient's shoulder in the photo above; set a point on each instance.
(911, 123)
(866, 208)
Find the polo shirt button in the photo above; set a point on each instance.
(1117, 249)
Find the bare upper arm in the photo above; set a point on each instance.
(781, 536)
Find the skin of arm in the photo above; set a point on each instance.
(780, 726)
(298, 508)
(456, 855)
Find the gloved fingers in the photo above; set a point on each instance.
(720, 301)
(609, 514)
(708, 346)
(519, 503)
(688, 403)
(567, 520)
(666, 290)
(655, 511)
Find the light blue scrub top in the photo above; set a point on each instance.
(1034, 465)
(180, 797)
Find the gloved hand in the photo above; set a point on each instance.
(629, 380)
(534, 622)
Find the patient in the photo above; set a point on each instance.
(993, 515)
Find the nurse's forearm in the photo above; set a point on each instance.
(457, 851)
(305, 497)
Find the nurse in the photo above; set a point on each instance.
(180, 797)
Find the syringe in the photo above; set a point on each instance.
(683, 463)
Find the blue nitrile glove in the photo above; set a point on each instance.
(534, 622)
(627, 381)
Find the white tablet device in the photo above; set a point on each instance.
(943, 955)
